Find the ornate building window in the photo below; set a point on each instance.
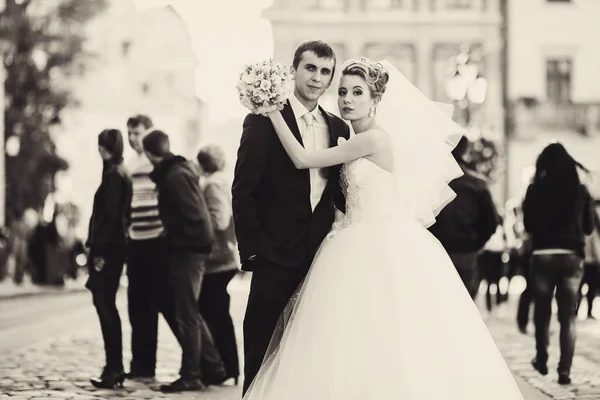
(558, 80)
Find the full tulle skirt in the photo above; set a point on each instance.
(382, 314)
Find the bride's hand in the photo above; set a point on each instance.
(272, 114)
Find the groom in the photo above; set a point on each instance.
(282, 214)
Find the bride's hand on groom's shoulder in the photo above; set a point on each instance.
(269, 114)
(273, 115)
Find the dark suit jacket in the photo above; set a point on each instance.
(271, 197)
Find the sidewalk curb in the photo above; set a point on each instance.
(10, 290)
(40, 292)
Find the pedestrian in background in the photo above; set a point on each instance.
(147, 268)
(557, 213)
(465, 225)
(221, 265)
(107, 241)
(189, 236)
(591, 267)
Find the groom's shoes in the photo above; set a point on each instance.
(215, 377)
(541, 368)
(183, 385)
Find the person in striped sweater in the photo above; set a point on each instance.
(150, 288)
(147, 256)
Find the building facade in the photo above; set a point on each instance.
(143, 62)
(554, 61)
(553, 83)
(417, 36)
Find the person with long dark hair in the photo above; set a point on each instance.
(107, 243)
(557, 213)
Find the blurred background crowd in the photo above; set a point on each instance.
(72, 67)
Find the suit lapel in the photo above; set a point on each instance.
(332, 142)
(290, 119)
(332, 136)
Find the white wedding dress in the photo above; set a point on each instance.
(381, 315)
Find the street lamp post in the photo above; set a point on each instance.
(467, 86)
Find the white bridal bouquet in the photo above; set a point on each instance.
(265, 86)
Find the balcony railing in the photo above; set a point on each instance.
(458, 5)
(395, 5)
(399, 5)
(559, 116)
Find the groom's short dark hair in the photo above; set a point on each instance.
(320, 48)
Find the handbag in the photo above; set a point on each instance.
(223, 244)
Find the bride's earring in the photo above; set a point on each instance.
(371, 112)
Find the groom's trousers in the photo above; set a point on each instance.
(270, 290)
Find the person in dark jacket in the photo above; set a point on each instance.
(107, 244)
(557, 214)
(465, 225)
(189, 236)
(591, 266)
(221, 265)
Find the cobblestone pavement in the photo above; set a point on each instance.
(518, 350)
(59, 367)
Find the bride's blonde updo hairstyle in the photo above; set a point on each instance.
(372, 72)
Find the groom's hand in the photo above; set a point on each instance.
(248, 264)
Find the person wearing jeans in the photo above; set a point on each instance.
(563, 272)
(557, 213)
(221, 266)
(107, 240)
(189, 236)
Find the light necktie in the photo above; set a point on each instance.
(308, 138)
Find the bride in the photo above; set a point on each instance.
(359, 327)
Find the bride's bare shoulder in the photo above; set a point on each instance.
(379, 135)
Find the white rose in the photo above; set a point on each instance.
(265, 84)
(248, 78)
(276, 79)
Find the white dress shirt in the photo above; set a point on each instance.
(320, 141)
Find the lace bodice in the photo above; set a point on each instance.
(369, 192)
